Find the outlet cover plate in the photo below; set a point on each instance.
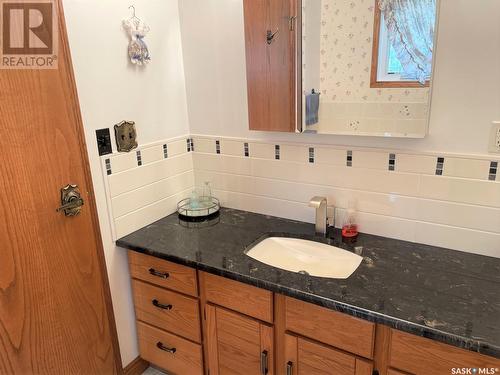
(494, 144)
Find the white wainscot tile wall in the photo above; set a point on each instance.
(442, 200)
(144, 189)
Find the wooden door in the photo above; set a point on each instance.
(238, 345)
(55, 310)
(271, 65)
(305, 357)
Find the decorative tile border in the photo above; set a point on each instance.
(139, 158)
(349, 158)
(493, 171)
(400, 191)
(311, 154)
(394, 161)
(439, 166)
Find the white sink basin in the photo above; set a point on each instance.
(296, 255)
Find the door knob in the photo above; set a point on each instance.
(71, 200)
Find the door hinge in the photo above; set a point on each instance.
(205, 313)
(292, 22)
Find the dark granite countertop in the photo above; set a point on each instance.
(446, 295)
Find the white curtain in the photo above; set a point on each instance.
(411, 25)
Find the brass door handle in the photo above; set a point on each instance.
(72, 204)
(71, 200)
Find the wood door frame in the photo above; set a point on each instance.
(64, 49)
(296, 72)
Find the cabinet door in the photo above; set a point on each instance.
(421, 356)
(304, 357)
(270, 40)
(238, 345)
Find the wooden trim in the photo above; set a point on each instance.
(363, 367)
(211, 344)
(64, 49)
(374, 67)
(291, 344)
(279, 333)
(267, 344)
(136, 367)
(204, 322)
(382, 348)
(296, 71)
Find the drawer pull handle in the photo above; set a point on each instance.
(263, 363)
(163, 275)
(289, 368)
(160, 346)
(161, 305)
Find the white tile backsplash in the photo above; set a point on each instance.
(468, 168)
(459, 209)
(461, 190)
(261, 150)
(152, 154)
(139, 195)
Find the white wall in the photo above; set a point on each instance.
(466, 95)
(111, 90)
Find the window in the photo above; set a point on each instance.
(386, 70)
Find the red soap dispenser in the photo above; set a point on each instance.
(350, 225)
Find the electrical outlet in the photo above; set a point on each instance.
(495, 138)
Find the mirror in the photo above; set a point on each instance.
(367, 66)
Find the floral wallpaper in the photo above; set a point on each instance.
(346, 35)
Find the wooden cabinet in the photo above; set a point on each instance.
(163, 273)
(232, 328)
(271, 35)
(243, 298)
(170, 352)
(330, 327)
(168, 310)
(168, 314)
(421, 356)
(305, 357)
(237, 344)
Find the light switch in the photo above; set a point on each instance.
(103, 141)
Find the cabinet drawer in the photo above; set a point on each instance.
(168, 310)
(170, 352)
(422, 356)
(163, 273)
(340, 330)
(246, 299)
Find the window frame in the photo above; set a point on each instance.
(374, 82)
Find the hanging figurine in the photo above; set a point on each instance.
(137, 30)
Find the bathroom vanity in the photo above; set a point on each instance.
(203, 306)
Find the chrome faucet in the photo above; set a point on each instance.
(320, 204)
